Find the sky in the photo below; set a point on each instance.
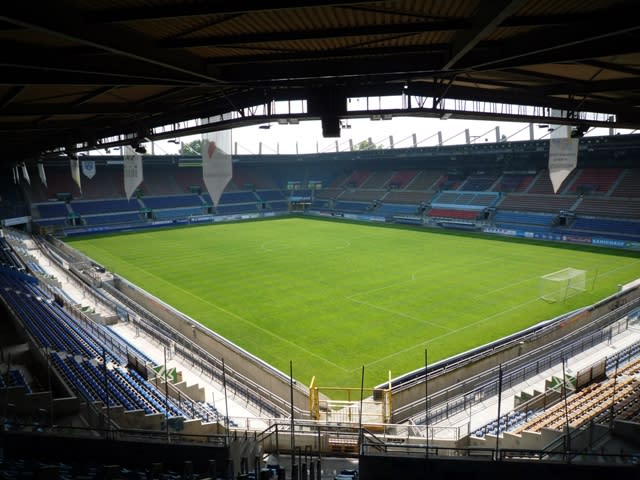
(306, 137)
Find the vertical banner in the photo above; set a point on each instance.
(75, 171)
(43, 176)
(132, 171)
(563, 158)
(25, 173)
(89, 168)
(216, 162)
(14, 170)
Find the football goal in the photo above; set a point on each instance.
(560, 285)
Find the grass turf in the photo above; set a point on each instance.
(332, 297)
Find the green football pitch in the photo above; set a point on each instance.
(333, 297)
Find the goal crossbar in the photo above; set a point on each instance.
(560, 285)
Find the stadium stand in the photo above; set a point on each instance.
(541, 184)
(361, 195)
(426, 180)
(594, 180)
(609, 207)
(401, 179)
(357, 178)
(536, 203)
(378, 179)
(629, 184)
(514, 182)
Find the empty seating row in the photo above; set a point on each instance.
(361, 195)
(52, 210)
(452, 213)
(115, 218)
(448, 199)
(14, 378)
(105, 206)
(172, 201)
(270, 195)
(173, 213)
(541, 219)
(505, 423)
(536, 203)
(356, 207)
(606, 225)
(390, 209)
(582, 406)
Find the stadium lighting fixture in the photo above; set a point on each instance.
(140, 149)
(174, 140)
(265, 127)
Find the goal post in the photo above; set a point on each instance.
(563, 284)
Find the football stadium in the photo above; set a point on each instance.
(446, 307)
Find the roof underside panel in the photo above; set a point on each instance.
(80, 70)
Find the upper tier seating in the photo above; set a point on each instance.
(514, 182)
(357, 178)
(594, 180)
(629, 185)
(542, 184)
(401, 179)
(426, 180)
(377, 179)
(478, 183)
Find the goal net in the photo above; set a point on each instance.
(560, 285)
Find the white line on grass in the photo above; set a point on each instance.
(283, 246)
(235, 315)
(399, 314)
(453, 331)
(413, 278)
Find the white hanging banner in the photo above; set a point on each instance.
(75, 172)
(216, 162)
(132, 171)
(89, 168)
(14, 170)
(25, 174)
(43, 176)
(563, 158)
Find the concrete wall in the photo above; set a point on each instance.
(236, 358)
(409, 395)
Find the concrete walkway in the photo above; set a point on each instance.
(486, 411)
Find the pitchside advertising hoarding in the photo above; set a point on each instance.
(599, 241)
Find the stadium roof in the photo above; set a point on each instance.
(77, 74)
